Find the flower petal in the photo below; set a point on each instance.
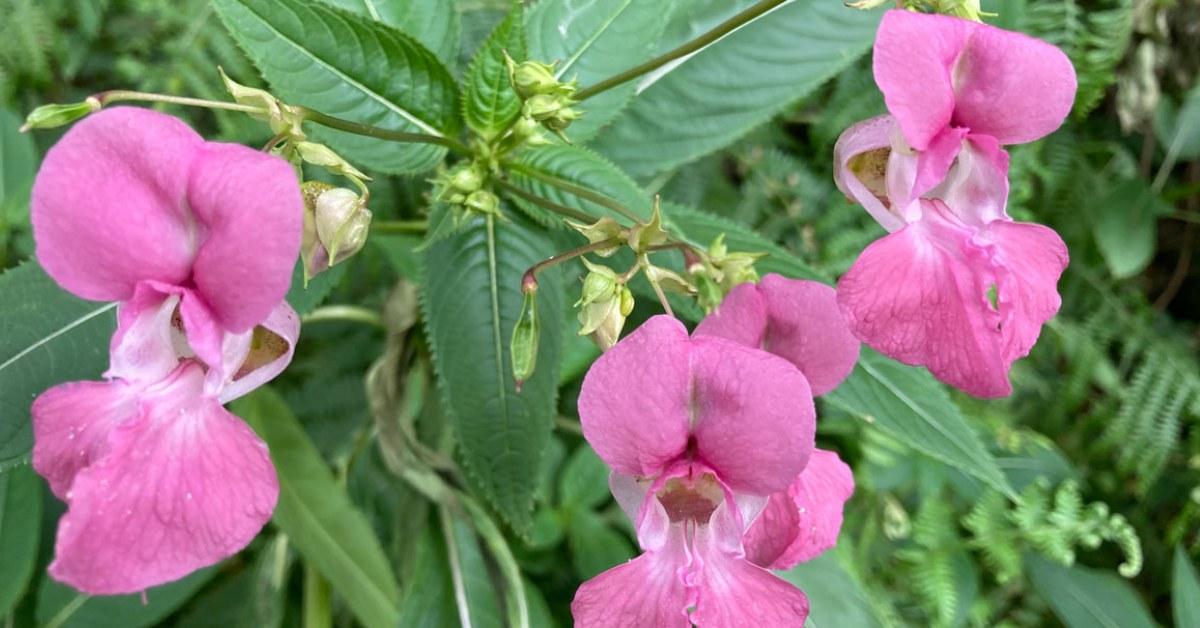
(646, 591)
(741, 317)
(183, 485)
(914, 67)
(734, 593)
(633, 405)
(109, 205)
(146, 346)
(1011, 86)
(920, 296)
(250, 204)
(801, 523)
(255, 358)
(1034, 257)
(752, 414)
(71, 424)
(976, 186)
(855, 142)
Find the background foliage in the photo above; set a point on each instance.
(1019, 512)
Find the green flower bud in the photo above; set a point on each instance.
(528, 131)
(604, 305)
(483, 202)
(543, 106)
(531, 78)
(335, 226)
(524, 345)
(51, 116)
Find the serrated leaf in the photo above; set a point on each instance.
(1185, 590)
(686, 110)
(580, 167)
(434, 24)
(67, 608)
(50, 337)
(352, 67)
(592, 41)
(908, 404)
(490, 103)
(20, 521)
(471, 298)
(595, 545)
(584, 480)
(1087, 598)
(316, 513)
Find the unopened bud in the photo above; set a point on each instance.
(531, 78)
(543, 106)
(483, 202)
(528, 131)
(51, 116)
(454, 186)
(524, 346)
(604, 305)
(335, 226)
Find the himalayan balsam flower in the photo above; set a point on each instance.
(196, 241)
(699, 432)
(957, 285)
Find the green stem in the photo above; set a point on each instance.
(348, 313)
(400, 226)
(717, 32)
(367, 130)
(120, 95)
(562, 210)
(577, 190)
(530, 276)
(318, 612)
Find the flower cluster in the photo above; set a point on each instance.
(196, 241)
(957, 285)
(710, 441)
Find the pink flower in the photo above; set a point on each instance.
(957, 285)
(699, 432)
(799, 321)
(197, 241)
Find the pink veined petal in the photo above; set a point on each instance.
(914, 62)
(976, 186)
(646, 591)
(182, 486)
(71, 424)
(251, 206)
(734, 593)
(146, 346)
(752, 415)
(803, 522)
(109, 206)
(920, 296)
(283, 325)
(741, 317)
(633, 405)
(934, 162)
(1011, 86)
(1034, 257)
(868, 135)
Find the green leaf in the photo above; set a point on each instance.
(1087, 598)
(908, 404)
(687, 110)
(305, 299)
(835, 597)
(490, 103)
(592, 41)
(18, 163)
(1124, 222)
(584, 481)
(478, 604)
(471, 297)
(536, 170)
(1178, 129)
(701, 228)
(429, 595)
(20, 518)
(65, 607)
(349, 66)
(595, 545)
(318, 516)
(1185, 590)
(50, 337)
(434, 24)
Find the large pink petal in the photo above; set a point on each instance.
(109, 204)
(1012, 86)
(796, 319)
(633, 405)
(182, 486)
(752, 415)
(914, 67)
(920, 296)
(71, 424)
(250, 204)
(1033, 257)
(255, 358)
(733, 593)
(801, 523)
(866, 136)
(646, 591)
